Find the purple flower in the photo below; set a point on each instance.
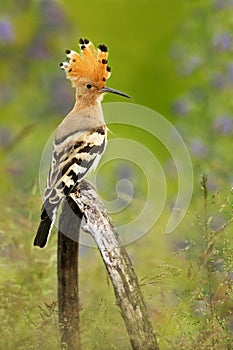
(6, 30)
(125, 172)
(190, 65)
(218, 81)
(61, 96)
(39, 48)
(180, 245)
(198, 148)
(180, 106)
(223, 125)
(52, 13)
(222, 42)
(220, 4)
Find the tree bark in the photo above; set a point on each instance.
(125, 283)
(67, 272)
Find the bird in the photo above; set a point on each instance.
(81, 137)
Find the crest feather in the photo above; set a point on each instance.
(91, 63)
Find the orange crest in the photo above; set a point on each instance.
(90, 64)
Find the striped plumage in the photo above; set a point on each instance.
(71, 162)
(81, 138)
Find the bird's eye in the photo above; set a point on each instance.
(89, 86)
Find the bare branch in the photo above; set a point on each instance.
(125, 283)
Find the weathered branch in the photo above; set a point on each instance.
(67, 272)
(126, 287)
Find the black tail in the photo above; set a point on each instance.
(48, 216)
(43, 232)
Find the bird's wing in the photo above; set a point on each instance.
(74, 156)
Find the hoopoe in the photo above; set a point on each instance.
(81, 137)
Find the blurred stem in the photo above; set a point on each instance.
(210, 242)
(18, 138)
(211, 305)
(205, 196)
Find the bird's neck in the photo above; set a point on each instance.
(83, 102)
(82, 111)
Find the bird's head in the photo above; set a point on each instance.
(89, 71)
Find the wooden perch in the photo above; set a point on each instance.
(67, 273)
(125, 283)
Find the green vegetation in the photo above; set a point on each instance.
(172, 57)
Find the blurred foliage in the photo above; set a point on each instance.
(174, 57)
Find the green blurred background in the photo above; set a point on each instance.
(174, 57)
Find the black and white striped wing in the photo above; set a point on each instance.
(73, 158)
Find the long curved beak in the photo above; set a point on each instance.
(113, 91)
